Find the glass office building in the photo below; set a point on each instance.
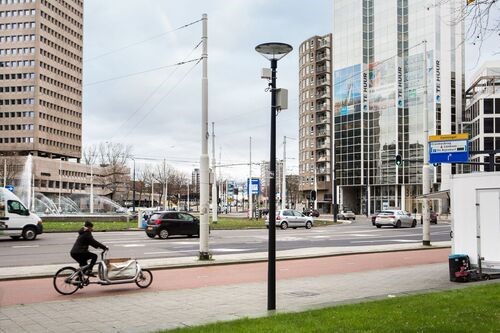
(380, 60)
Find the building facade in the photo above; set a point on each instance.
(315, 120)
(382, 52)
(482, 115)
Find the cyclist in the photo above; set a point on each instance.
(80, 251)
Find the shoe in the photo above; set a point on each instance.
(90, 273)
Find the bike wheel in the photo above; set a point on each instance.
(144, 279)
(66, 282)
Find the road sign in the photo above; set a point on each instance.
(451, 148)
(255, 185)
(10, 188)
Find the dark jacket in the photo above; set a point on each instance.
(83, 241)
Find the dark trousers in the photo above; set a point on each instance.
(83, 258)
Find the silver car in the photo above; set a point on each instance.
(395, 218)
(291, 218)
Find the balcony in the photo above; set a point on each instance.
(322, 82)
(324, 132)
(323, 106)
(322, 120)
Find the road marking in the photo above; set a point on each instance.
(232, 250)
(133, 245)
(24, 246)
(169, 252)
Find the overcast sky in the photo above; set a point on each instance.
(158, 112)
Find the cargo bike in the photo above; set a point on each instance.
(69, 279)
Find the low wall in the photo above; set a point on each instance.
(83, 218)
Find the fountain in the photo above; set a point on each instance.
(25, 187)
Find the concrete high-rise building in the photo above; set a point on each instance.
(379, 65)
(264, 177)
(315, 119)
(482, 115)
(41, 47)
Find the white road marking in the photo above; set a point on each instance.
(133, 245)
(24, 246)
(232, 250)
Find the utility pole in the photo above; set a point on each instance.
(4, 172)
(91, 188)
(426, 234)
(315, 187)
(152, 190)
(165, 202)
(204, 178)
(250, 195)
(283, 178)
(215, 201)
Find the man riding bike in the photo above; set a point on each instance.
(80, 251)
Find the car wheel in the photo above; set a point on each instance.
(284, 225)
(163, 234)
(414, 224)
(15, 237)
(398, 224)
(150, 235)
(29, 233)
(308, 225)
(378, 226)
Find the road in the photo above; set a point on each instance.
(54, 248)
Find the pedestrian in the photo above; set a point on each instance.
(80, 251)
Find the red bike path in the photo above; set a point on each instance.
(27, 291)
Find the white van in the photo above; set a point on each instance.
(15, 219)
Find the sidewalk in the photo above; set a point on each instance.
(149, 311)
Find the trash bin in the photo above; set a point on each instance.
(459, 263)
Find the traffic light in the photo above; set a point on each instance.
(313, 195)
(399, 160)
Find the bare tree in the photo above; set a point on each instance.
(13, 165)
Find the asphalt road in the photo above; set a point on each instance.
(54, 248)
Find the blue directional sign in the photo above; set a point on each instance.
(10, 188)
(452, 148)
(255, 185)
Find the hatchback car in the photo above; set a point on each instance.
(346, 215)
(312, 212)
(165, 224)
(291, 218)
(395, 218)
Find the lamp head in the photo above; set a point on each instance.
(273, 50)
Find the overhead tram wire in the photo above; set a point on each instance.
(139, 42)
(165, 96)
(142, 72)
(156, 90)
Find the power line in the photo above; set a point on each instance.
(139, 42)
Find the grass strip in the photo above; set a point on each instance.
(471, 309)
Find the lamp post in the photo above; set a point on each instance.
(272, 52)
(426, 235)
(133, 187)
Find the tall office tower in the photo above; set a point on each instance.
(381, 60)
(264, 177)
(482, 115)
(315, 119)
(41, 45)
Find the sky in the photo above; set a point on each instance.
(158, 112)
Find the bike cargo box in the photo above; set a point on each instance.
(121, 268)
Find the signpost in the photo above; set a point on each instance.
(450, 148)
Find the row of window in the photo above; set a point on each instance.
(18, 38)
(61, 73)
(55, 131)
(57, 144)
(61, 37)
(61, 61)
(17, 76)
(17, 101)
(17, 25)
(61, 49)
(63, 26)
(60, 97)
(17, 89)
(17, 114)
(19, 63)
(10, 13)
(9, 2)
(59, 108)
(60, 85)
(17, 127)
(63, 13)
(15, 51)
(72, 9)
(16, 140)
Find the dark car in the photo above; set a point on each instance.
(433, 218)
(165, 224)
(312, 212)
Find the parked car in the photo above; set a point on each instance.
(311, 212)
(433, 218)
(346, 215)
(165, 224)
(395, 218)
(374, 216)
(291, 218)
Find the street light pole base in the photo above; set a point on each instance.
(426, 243)
(205, 256)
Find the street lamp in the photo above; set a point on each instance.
(272, 52)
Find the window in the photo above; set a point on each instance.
(488, 106)
(488, 125)
(15, 207)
